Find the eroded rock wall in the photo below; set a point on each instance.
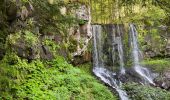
(69, 37)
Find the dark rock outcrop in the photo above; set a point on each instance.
(163, 80)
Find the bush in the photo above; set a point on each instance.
(140, 92)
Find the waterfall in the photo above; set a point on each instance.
(97, 54)
(120, 51)
(100, 69)
(110, 78)
(142, 71)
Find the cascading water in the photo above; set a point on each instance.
(120, 51)
(101, 70)
(142, 71)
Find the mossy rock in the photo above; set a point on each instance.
(26, 44)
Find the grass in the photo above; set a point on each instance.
(157, 65)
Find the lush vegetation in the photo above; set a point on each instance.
(140, 92)
(48, 80)
(36, 46)
(26, 27)
(112, 11)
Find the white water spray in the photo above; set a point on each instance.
(109, 78)
(120, 51)
(142, 71)
(99, 69)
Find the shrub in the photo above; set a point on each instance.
(140, 92)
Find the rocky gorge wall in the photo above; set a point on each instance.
(33, 36)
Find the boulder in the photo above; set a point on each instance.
(24, 51)
(45, 53)
(163, 80)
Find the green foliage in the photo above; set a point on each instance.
(157, 65)
(26, 20)
(72, 45)
(13, 38)
(27, 37)
(2, 39)
(150, 36)
(52, 45)
(82, 22)
(87, 67)
(52, 80)
(7, 74)
(119, 11)
(30, 38)
(49, 16)
(155, 42)
(149, 16)
(22, 79)
(140, 92)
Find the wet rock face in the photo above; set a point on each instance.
(86, 57)
(168, 47)
(163, 80)
(45, 53)
(150, 53)
(34, 52)
(23, 50)
(130, 76)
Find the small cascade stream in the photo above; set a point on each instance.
(100, 69)
(110, 78)
(142, 71)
